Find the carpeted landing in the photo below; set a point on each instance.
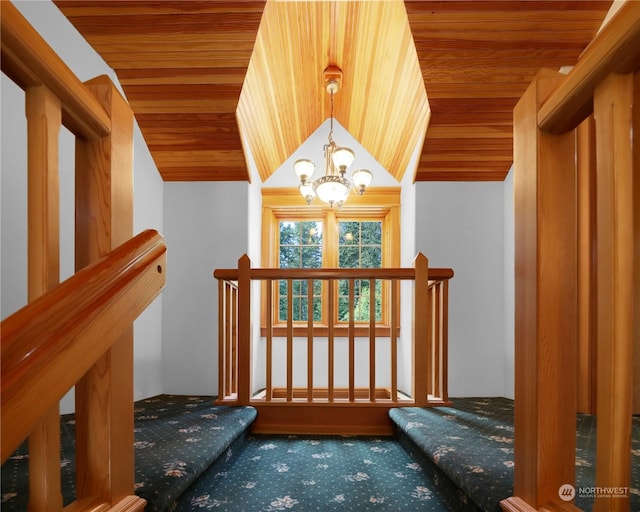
(322, 473)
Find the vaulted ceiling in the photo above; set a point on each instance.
(210, 80)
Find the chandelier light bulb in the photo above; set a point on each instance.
(304, 169)
(343, 158)
(361, 179)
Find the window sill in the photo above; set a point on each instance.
(322, 331)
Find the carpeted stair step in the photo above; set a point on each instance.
(470, 443)
(177, 438)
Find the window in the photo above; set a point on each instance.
(300, 246)
(364, 233)
(359, 246)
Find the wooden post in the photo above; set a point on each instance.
(636, 244)
(244, 330)
(587, 285)
(613, 101)
(104, 220)
(421, 327)
(545, 304)
(44, 118)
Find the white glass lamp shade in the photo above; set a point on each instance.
(304, 169)
(362, 179)
(306, 189)
(333, 190)
(342, 158)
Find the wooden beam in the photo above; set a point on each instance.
(615, 48)
(545, 303)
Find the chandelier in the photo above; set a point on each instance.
(333, 188)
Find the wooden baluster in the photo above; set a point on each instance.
(309, 340)
(289, 340)
(352, 369)
(613, 102)
(437, 339)
(43, 124)
(421, 326)
(269, 340)
(233, 341)
(372, 340)
(222, 338)
(393, 339)
(331, 307)
(444, 360)
(433, 351)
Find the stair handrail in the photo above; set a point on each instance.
(48, 345)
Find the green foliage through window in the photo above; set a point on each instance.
(300, 247)
(359, 246)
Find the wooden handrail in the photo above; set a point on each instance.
(49, 344)
(260, 274)
(30, 62)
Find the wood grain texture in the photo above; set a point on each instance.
(29, 61)
(545, 302)
(44, 118)
(613, 106)
(439, 77)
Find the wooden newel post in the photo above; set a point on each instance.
(104, 220)
(545, 304)
(613, 104)
(244, 330)
(421, 324)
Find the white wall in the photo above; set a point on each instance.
(86, 64)
(509, 288)
(461, 225)
(206, 227)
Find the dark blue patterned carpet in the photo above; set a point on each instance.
(179, 439)
(326, 473)
(472, 443)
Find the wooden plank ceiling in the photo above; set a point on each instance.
(183, 64)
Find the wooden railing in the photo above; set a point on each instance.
(339, 405)
(78, 333)
(48, 345)
(560, 313)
